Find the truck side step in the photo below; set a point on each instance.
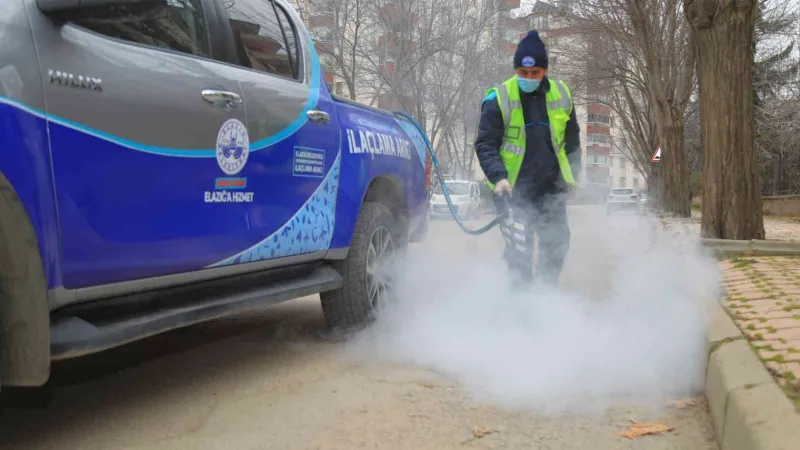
(72, 336)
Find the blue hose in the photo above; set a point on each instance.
(435, 162)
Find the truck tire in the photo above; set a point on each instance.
(23, 297)
(377, 238)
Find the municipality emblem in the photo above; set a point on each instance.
(233, 146)
(528, 61)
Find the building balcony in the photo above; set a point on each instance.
(597, 108)
(393, 45)
(324, 47)
(317, 21)
(598, 128)
(391, 102)
(598, 149)
(397, 17)
(387, 68)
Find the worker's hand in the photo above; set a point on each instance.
(502, 187)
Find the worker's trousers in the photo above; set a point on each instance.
(546, 218)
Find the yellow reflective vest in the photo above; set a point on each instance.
(559, 108)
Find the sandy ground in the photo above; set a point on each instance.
(270, 380)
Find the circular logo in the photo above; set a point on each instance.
(233, 146)
(528, 61)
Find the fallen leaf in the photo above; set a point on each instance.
(683, 403)
(479, 433)
(644, 429)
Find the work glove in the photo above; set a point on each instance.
(502, 187)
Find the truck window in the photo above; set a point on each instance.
(261, 30)
(291, 40)
(179, 26)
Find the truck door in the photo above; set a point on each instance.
(145, 131)
(294, 133)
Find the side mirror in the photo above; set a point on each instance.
(76, 6)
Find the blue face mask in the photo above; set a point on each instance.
(528, 85)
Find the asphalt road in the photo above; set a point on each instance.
(567, 370)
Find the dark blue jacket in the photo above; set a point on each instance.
(539, 174)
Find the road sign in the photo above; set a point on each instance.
(656, 156)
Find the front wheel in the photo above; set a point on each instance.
(367, 270)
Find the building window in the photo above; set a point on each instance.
(604, 119)
(599, 159)
(622, 182)
(636, 183)
(603, 98)
(601, 139)
(339, 87)
(621, 162)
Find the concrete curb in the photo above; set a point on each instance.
(752, 247)
(748, 409)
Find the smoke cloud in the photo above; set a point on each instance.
(628, 321)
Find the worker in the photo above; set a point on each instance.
(528, 145)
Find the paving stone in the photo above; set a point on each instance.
(782, 323)
(788, 334)
(766, 354)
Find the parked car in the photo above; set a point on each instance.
(622, 199)
(465, 196)
(643, 200)
(168, 162)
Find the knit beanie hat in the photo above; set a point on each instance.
(531, 52)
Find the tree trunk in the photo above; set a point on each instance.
(674, 181)
(723, 35)
(654, 189)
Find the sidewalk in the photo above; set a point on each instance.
(763, 298)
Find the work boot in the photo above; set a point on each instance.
(520, 282)
(547, 281)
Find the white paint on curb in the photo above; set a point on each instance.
(753, 247)
(748, 409)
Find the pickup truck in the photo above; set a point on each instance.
(169, 162)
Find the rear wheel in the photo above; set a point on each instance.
(367, 271)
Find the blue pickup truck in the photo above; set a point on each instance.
(168, 162)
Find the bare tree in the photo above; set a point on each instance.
(723, 35)
(646, 48)
(340, 29)
(425, 61)
(775, 77)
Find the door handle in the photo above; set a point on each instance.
(222, 98)
(319, 116)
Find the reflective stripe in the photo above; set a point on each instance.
(564, 101)
(556, 143)
(515, 104)
(511, 148)
(505, 104)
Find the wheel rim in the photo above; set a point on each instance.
(379, 253)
